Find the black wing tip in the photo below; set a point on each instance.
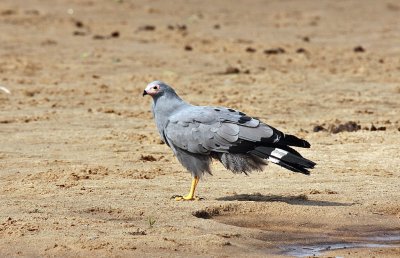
(292, 140)
(294, 167)
(299, 169)
(306, 170)
(311, 165)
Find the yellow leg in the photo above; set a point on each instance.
(190, 196)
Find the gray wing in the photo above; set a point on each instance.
(202, 130)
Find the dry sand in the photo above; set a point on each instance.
(82, 169)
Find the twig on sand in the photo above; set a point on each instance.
(5, 89)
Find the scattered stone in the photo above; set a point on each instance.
(79, 24)
(374, 128)
(217, 26)
(97, 37)
(306, 39)
(232, 70)
(359, 49)
(48, 42)
(301, 51)
(314, 191)
(345, 127)
(181, 27)
(104, 87)
(338, 127)
(32, 12)
(204, 214)
(365, 111)
(178, 27)
(330, 191)
(8, 12)
(318, 128)
(326, 191)
(79, 33)
(138, 232)
(31, 93)
(147, 158)
(188, 48)
(114, 34)
(274, 51)
(147, 28)
(393, 7)
(250, 50)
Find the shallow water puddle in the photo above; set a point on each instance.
(304, 236)
(317, 249)
(390, 238)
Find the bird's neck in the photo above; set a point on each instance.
(164, 106)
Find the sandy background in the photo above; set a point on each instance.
(82, 169)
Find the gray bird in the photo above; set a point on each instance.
(198, 134)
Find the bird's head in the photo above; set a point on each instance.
(157, 88)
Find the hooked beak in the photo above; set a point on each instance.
(144, 93)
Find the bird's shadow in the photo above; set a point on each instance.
(300, 199)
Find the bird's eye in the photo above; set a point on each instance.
(155, 87)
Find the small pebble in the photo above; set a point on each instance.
(274, 51)
(79, 33)
(115, 34)
(359, 49)
(79, 24)
(98, 37)
(250, 50)
(147, 27)
(318, 128)
(301, 50)
(232, 70)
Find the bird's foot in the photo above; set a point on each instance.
(186, 198)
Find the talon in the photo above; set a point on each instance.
(186, 198)
(190, 196)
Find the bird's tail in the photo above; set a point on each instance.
(285, 157)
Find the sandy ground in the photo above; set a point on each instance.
(82, 169)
